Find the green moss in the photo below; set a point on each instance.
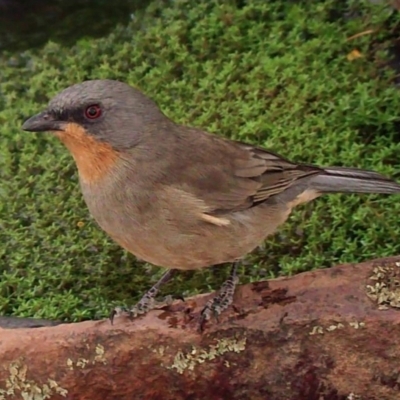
(271, 73)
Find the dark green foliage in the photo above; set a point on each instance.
(265, 72)
(25, 24)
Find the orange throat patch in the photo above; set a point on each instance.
(94, 159)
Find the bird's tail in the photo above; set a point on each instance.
(353, 180)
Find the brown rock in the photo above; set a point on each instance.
(327, 334)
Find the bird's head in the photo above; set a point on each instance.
(97, 120)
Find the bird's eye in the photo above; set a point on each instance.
(93, 112)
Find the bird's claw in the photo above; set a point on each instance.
(115, 312)
(215, 306)
(146, 303)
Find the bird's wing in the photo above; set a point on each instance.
(231, 176)
(275, 175)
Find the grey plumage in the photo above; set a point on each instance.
(176, 196)
(341, 180)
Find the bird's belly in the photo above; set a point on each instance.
(165, 249)
(189, 247)
(183, 251)
(168, 237)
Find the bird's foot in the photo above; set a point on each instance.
(147, 302)
(222, 301)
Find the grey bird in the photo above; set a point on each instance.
(176, 196)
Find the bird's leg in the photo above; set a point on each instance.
(147, 302)
(223, 300)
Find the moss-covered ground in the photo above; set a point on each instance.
(286, 75)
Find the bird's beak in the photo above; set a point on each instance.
(42, 122)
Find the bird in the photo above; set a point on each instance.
(176, 196)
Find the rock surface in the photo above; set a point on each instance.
(322, 335)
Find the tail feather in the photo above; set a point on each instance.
(353, 180)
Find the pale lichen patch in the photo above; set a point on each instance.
(357, 324)
(384, 285)
(17, 386)
(70, 364)
(317, 330)
(320, 330)
(353, 396)
(333, 327)
(99, 357)
(82, 362)
(184, 361)
(160, 350)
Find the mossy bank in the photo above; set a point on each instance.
(289, 76)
